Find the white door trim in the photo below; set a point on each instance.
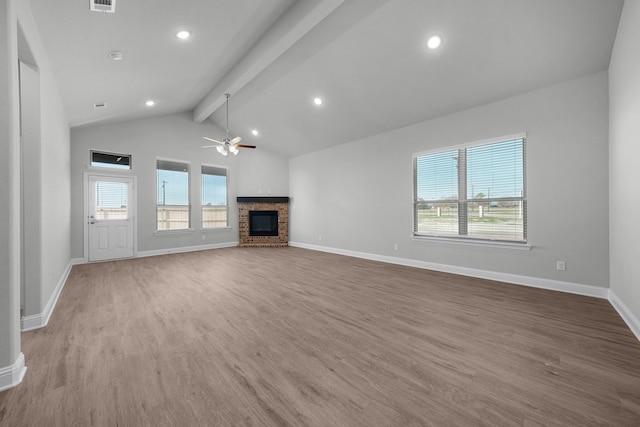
(107, 174)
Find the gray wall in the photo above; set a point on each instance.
(175, 137)
(358, 196)
(624, 151)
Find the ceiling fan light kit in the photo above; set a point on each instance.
(227, 145)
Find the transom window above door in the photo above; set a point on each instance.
(110, 160)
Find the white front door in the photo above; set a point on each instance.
(110, 217)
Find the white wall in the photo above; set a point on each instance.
(32, 209)
(358, 196)
(9, 194)
(624, 152)
(49, 232)
(262, 173)
(176, 137)
(46, 165)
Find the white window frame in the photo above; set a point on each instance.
(463, 200)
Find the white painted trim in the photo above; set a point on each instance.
(156, 252)
(535, 282)
(216, 229)
(173, 232)
(630, 319)
(12, 375)
(40, 320)
(117, 175)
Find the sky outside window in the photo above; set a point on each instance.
(176, 187)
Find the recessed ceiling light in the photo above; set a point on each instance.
(183, 35)
(254, 132)
(150, 103)
(317, 101)
(434, 42)
(115, 55)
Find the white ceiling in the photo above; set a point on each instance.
(366, 59)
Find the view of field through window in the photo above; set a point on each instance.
(473, 192)
(111, 200)
(215, 210)
(173, 211)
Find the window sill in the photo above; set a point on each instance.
(173, 232)
(213, 230)
(471, 242)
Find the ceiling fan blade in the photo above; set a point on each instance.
(210, 146)
(244, 146)
(214, 140)
(235, 140)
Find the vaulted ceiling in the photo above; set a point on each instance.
(366, 59)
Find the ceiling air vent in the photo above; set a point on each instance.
(103, 5)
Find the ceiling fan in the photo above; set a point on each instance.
(227, 145)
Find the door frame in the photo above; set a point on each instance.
(107, 174)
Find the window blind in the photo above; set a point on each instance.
(474, 192)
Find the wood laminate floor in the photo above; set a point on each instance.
(287, 336)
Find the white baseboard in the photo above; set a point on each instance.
(40, 320)
(11, 376)
(630, 319)
(186, 249)
(535, 282)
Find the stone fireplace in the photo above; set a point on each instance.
(263, 221)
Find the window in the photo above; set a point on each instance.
(110, 160)
(214, 197)
(111, 199)
(472, 192)
(172, 211)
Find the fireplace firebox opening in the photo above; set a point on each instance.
(263, 223)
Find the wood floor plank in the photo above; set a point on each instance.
(292, 337)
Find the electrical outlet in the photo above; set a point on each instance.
(319, 237)
(395, 247)
(561, 265)
(203, 237)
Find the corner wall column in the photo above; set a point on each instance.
(11, 359)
